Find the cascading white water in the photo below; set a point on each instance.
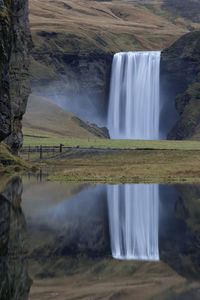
(134, 104)
(133, 221)
(134, 111)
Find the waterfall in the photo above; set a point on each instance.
(133, 221)
(134, 110)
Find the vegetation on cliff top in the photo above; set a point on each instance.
(110, 26)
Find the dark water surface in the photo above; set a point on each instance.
(58, 240)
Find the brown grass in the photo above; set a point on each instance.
(44, 118)
(122, 25)
(133, 166)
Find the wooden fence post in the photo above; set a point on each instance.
(40, 151)
(29, 150)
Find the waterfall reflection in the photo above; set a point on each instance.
(133, 220)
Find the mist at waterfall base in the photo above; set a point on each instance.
(90, 108)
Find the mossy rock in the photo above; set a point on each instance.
(180, 68)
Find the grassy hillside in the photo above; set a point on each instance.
(188, 9)
(46, 119)
(111, 26)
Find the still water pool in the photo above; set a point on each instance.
(79, 241)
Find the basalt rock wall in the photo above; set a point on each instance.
(15, 43)
(180, 87)
(76, 80)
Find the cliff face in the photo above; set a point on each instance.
(14, 78)
(5, 50)
(79, 82)
(180, 76)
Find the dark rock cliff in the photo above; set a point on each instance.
(77, 79)
(15, 43)
(180, 81)
(5, 50)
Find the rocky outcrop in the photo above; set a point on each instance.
(15, 43)
(180, 82)
(102, 132)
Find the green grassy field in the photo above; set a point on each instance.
(125, 166)
(136, 161)
(112, 144)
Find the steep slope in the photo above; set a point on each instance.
(110, 26)
(44, 118)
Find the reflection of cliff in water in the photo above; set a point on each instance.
(70, 234)
(182, 250)
(70, 227)
(14, 280)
